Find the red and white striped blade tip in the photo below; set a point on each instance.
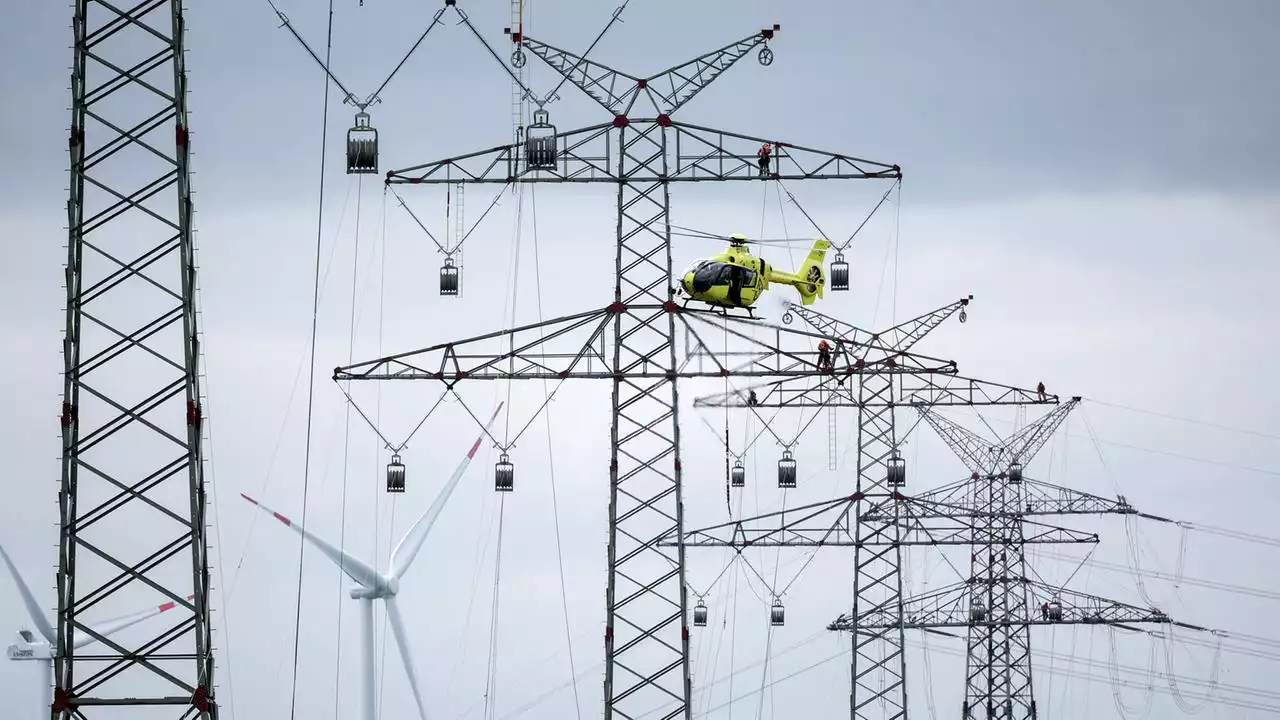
(171, 604)
(277, 515)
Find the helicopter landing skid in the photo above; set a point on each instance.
(735, 312)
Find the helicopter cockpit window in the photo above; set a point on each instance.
(694, 267)
(709, 274)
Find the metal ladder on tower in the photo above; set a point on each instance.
(831, 437)
(459, 232)
(517, 94)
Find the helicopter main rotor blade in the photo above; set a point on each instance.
(699, 235)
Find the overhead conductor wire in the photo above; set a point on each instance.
(391, 523)
(284, 422)
(347, 95)
(346, 440)
(551, 460)
(311, 380)
(491, 681)
(617, 17)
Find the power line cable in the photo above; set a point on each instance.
(1193, 421)
(346, 440)
(311, 380)
(551, 462)
(348, 96)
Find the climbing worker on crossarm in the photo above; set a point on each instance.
(751, 398)
(1040, 391)
(763, 155)
(824, 357)
(1044, 611)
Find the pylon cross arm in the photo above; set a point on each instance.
(958, 606)
(1039, 498)
(899, 338)
(580, 346)
(829, 524)
(913, 384)
(591, 154)
(666, 91)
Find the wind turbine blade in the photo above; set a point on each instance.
(353, 567)
(115, 625)
(397, 629)
(412, 541)
(33, 608)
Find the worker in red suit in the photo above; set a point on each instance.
(824, 357)
(762, 156)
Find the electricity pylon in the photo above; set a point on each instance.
(132, 498)
(631, 342)
(990, 508)
(999, 597)
(878, 668)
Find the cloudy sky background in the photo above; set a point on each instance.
(1101, 178)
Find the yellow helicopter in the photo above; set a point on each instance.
(736, 279)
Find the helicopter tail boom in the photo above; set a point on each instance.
(809, 279)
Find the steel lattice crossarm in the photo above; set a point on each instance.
(787, 351)
(579, 346)
(994, 458)
(850, 340)
(835, 390)
(899, 338)
(829, 524)
(1038, 498)
(666, 91)
(956, 606)
(856, 348)
(994, 461)
(593, 154)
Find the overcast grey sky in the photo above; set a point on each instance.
(1100, 176)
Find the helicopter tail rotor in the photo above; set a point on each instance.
(811, 280)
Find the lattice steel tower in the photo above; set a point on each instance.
(132, 497)
(631, 342)
(994, 512)
(999, 601)
(879, 373)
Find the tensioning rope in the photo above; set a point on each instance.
(311, 379)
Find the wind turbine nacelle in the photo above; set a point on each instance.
(384, 587)
(28, 649)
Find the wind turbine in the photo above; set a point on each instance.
(372, 585)
(30, 649)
